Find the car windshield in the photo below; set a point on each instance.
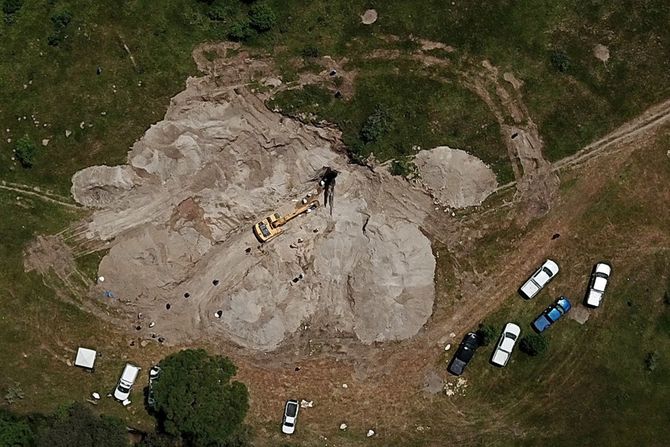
(288, 424)
(466, 354)
(123, 389)
(291, 410)
(510, 336)
(554, 314)
(547, 271)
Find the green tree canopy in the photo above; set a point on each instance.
(14, 430)
(533, 344)
(78, 426)
(196, 400)
(262, 16)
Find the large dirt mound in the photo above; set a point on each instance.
(178, 220)
(455, 177)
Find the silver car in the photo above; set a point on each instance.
(506, 344)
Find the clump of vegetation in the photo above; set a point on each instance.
(405, 168)
(10, 8)
(310, 51)
(376, 125)
(651, 361)
(25, 151)
(61, 19)
(533, 344)
(486, 333)
(262, 17)
(14, 393)
(560, 61)
(241, 30)
(196, 399)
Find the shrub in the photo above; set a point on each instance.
(25, 151)
(486, 334)
(375, 125)
(651, 361)
(10, 7)
(404, 167)
(262, 16)
(61, 19)
(310, 51)
(560, 61)
(240, 30)
(533, 344)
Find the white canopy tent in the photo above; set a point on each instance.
(85, 358)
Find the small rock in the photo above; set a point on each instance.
(152, 324)
(68, 362)
(82, 124)
(126, 403)
(345, 386)
(96, 396)
(68, 133)
(448, 347)
(343, 426)
(452, 334)
(103, 113)
(306, 403)
(45, 142)
(370, 433)
(9, 140)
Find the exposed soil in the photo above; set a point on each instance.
(179, 215)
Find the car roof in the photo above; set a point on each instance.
(564, 302)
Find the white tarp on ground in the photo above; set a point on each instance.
(85, 358)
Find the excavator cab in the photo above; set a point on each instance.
(265, 229)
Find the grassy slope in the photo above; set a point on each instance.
(571, 108)
(591, 387)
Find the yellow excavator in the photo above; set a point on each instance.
(270, 227)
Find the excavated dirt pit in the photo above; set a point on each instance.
(178, 219)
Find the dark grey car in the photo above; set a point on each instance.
(466, 350)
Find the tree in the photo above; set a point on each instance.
(533, 344)
(263, 18)
(78, 426)
(25, 151)
(486, 334)
(14, 430)
(196, 400)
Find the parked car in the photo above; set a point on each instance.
(154, 374)
(551, 314)
(539, 279)
(126, 382)
(508, 339)
(464, 353)
(290, 417)
(597, 284)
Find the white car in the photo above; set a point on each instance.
(506, 344)
(539, 279)
(126, 382)
(598, 283)
(290, 417)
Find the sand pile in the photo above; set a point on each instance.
(178, 218)
(455, 177)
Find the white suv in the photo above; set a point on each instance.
(598, 283)
(539, 279)
(290, 417)
(506, 344)
(126, 382)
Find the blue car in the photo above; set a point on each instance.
(551, 314)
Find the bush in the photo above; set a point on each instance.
(651, 361)
(404, 168)
(486, 334)
(240, 30)
(219, 12)
(376, 125)
(533, 344)
(10, 7)
(14, 430)
(310, 51)
(262, 16)
(560, 61)
(61, 19)
(25, 151)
